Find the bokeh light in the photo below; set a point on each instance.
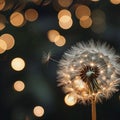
(3, 46)
(17, 19)
(9, 39)
(52, 34)
(82, 12)
(2, 4)
(2, 21)
(19, 85)
(64, 12)
(2, 26)
(70, 99)
(38, 111)
(65, 22)
(86, 23)
(18, 64)
(31, 15)
(116, 2)
(60, 40)
(37, 2)
(65, 3)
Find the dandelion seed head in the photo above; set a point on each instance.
(94, 71)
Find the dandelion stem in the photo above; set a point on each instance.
(93, 109)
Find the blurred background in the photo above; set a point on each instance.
(30, 29)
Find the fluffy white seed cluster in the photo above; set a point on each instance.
(89, 56)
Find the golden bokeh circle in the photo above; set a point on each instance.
(31, 14)
(64, 12)
(3, 46)
(17, 19)
(82, 10)
(2, 4)
(52, 35)
(18, 64)
(19, 86)
(9, 39)
(38, 111)
(60, 41)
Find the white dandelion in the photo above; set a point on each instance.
(88, 72)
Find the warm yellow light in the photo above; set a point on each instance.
(86, 23)
(19, 86)
(9, 39)
(2, 4)
(37, 2)
(38, 111)
(65, 3)
(64, 12)
(65, 19)
(66, 24)
(52, 34)
(60, 40)
(84, 94)
(18, 64)
(31, 15)
(70, 99)
(116, 2)
(3, 46)
(79, 84)
(92, 64)
(2, 21)
(17, 19)
(82, 12)
(2, 26)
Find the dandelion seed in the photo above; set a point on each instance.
(46, 57)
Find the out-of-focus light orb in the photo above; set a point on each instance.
(3, 46)
(65, 3)
(66, 24)
(64, 12)
(37, 2)
(38, 111)
(70, 99)
(65, 19)
(8, 5)
(2, 26)
(86, 23)
(116, 2)
(18, 64)
(17, 19)
(2, 4)
(82, 12)
(60, 41)
(9, 39)
(52, 34)
(2, 21)
(19, 86)
(31, 15)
